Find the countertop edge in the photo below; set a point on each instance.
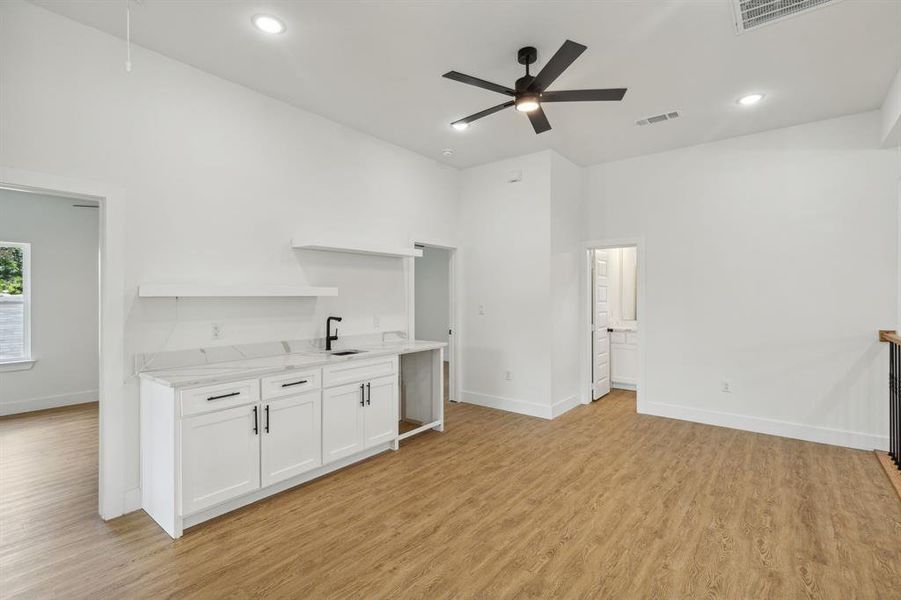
(251, 372)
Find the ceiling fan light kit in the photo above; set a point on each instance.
(530, 92)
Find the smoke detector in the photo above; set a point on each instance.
(751, 14)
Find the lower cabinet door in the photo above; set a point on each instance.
(220, 456)
(381, 411)
(342, 421)
(291, 436)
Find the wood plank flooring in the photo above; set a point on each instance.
(600, 503)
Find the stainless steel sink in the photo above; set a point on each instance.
(345, 352)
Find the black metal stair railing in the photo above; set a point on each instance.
(894, 394)
(894, 386)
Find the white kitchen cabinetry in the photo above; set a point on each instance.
(209, 448)
(359, 415)
(291, 436)
(380, 422)
(220, 456)
(342, 421)
(624, 359)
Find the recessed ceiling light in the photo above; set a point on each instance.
(268, 24)
(750, 99)
(460, 125)
(447, 152)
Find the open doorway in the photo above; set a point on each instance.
(49, 355)
(49, 301)
(614, 319)
(433, 304)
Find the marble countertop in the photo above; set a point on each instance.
(222, 372)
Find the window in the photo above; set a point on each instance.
(15, 300)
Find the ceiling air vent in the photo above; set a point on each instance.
(751, 14)
(658, 118)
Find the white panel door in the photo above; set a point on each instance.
(381, 411)
(342, 421)
(220, 456)
(292, 436)
(600, 360)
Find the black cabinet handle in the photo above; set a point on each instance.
(295, 383)
(368, 393)
(362, 395)
(223, 396)
(256, 421)
(267, 418)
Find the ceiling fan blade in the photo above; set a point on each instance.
(484, 113)
(613, 94)
(539, 120)
(469, 79)
(564, 57)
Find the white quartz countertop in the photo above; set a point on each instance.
(222, 372)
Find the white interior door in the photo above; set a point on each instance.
(600, 319)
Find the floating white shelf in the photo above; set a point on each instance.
(373, 250)
(190, 290)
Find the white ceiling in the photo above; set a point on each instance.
(377, 66)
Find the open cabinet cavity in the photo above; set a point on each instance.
(421, 402)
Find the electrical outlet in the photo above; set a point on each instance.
(726, 387)
(481, 309)
(508, 375)
(216, 331)
(376, 322)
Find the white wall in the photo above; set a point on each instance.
(567, 258)
(520, 261)
(216, 179)
(891, 114)
(64, 301)
(505, 267)
(771, 262)
(432, 295)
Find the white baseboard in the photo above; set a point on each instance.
(622, 385)
(522, 407)
(31, 404)
(797, 431)
(558, 408)
(532, 409)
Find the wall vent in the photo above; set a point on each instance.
(658, 118)
(751, 14)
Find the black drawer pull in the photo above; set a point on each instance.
(267, 418)
(368, 394)
(223, 396)
(362, 395)
(256, 421)
(295, 383)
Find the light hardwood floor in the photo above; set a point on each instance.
(600, 503)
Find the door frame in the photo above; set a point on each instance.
(114, 499)
(585, 336)
(454, 344)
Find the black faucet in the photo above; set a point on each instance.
(329, 338)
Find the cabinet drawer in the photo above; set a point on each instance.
(217, 397)
(358, 370)
(288, 384)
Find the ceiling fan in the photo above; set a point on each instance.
(530, 92)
